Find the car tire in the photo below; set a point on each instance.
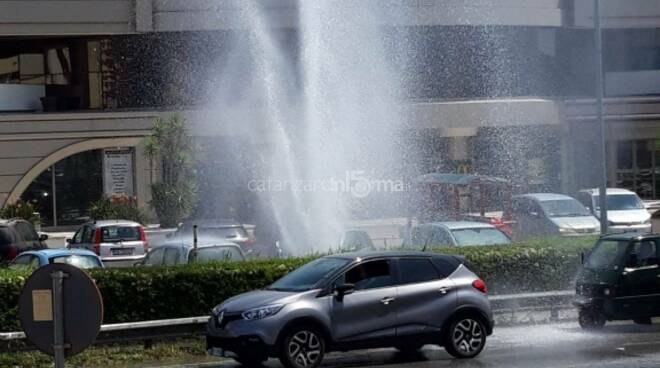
(302, 347)
(465, 336)
(590, 319)
(254, 360)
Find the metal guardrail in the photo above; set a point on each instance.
(148, 331)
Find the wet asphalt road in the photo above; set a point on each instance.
(542, 346)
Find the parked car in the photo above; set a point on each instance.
(355, 301)
(549, 214)
(625, 211)
(178, 254)
(17, 236)
(112, 240)
(80, 258)
(619, 280)
(355, 240)
(214, 231)
(455, 233)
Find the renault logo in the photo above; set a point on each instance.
(220, 317)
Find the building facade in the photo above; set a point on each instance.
(501, 89)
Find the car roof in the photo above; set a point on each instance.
(386, 254)
(60, 252)
(214, 223)
(202, 245)
(542, 197)
(595, 191)
(102, 223)
(630, 236)
(457, 225)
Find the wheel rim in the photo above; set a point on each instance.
(304, 348)
(468, 336)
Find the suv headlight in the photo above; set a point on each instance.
(261, 312)
(566, 230)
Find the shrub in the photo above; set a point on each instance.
(176, 195)
(20, 209)
(134, 294)
(117, 207)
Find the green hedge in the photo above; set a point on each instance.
(135, 294)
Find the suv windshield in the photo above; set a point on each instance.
(309, 275)
(564, 208)
(606, 255)
(621, 202)
(480, 236)
(84, 262)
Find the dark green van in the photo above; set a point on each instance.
(620, 280)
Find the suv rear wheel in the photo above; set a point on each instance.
(465, 337)
(302, 347)
(590, 319)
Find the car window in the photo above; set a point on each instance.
(606, 255)
(155, 257)
(5, 236)
(440, 237)
(26, 261)
(120, 233)
(643, 254)
(585, 199)
(171, 256)
(418, 236)
(211, 254)
(564, 208)
(77, 238)
(480, 236)
(369, 275)
(87, 235)
(309, 275)
(26, 231)
(416, 270)
(80, 261)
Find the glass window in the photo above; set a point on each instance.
(23, 260)
(606, 255)
(309, 275)
(480, 236)
(643, 254)
(155, 257)
(77, 238)
(78, 183)
(564, 208)
(5, 236)
(26, 261)
(84, 262)
(369, 275)
(88, 235)
(171, 256)
(418, 236)
(621, 202)
(417, 270)
(211, 254)
(114, 234)
(440, 237)
(27, 231)
(624, 155)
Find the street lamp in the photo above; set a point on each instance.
(602, 190)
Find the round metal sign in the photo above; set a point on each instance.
(82, 308)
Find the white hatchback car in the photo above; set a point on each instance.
(625, 210)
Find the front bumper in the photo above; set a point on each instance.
(236, 346)
(236, 335)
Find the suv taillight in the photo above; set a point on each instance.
(98, 236)
(143, 239)
(12, 252)
(480, 285)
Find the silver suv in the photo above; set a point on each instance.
(355, 301)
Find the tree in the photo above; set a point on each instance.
(175, 196)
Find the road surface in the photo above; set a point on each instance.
(541, 346)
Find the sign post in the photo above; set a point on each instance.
(58, 318)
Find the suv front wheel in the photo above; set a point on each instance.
(465, 337)
(302, 347)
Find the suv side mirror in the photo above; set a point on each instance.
(343, 289)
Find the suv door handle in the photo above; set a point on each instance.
(444, 290)
(387, 300)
